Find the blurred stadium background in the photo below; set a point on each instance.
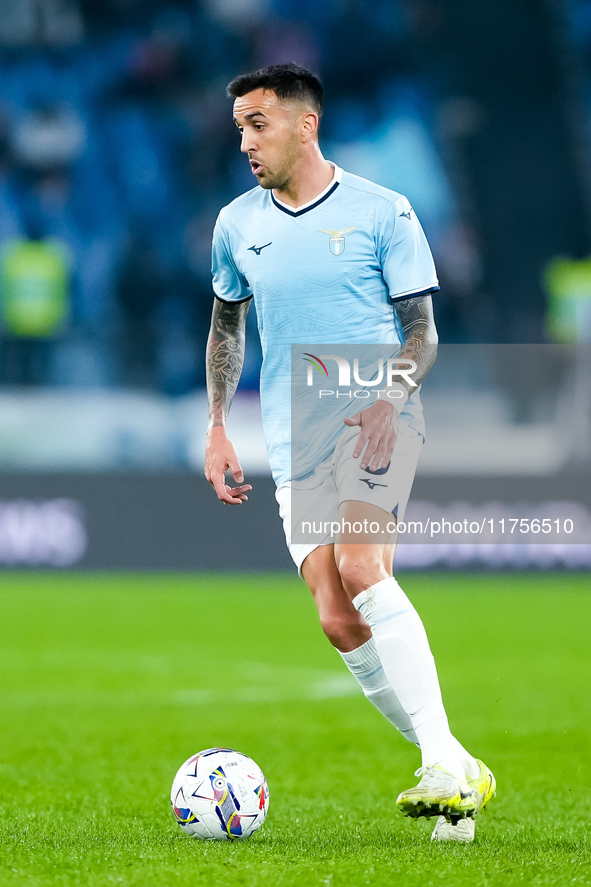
(117, 150)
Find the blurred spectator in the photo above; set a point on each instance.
(568, 284)
(140, 289)
(237, 13)
(48, 137)
(40, 23)
(34, 304)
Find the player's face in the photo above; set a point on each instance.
(271, 136)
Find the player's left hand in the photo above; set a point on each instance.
(378, 434)
(220, 457)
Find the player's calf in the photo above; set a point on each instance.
(343, 631)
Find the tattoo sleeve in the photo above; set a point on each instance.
(420, 335)
(224, 356)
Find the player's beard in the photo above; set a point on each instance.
(280, 178)
(268, 181)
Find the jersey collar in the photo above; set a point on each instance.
(306, 207)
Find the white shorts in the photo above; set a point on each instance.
(309, 507)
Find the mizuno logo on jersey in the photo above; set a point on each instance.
(257, 249)
(406, 215)
(336, 243)
(371, 484)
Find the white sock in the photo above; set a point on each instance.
(403, 648)
(365, 665)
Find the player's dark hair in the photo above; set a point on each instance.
(288, 81)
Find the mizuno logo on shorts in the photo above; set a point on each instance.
(371, 484)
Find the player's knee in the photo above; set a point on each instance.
(360, 570)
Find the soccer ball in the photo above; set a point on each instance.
(220, 794)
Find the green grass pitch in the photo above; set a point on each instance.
(109, 682)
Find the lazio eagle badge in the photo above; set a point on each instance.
(336, 243)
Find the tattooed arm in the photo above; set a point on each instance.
(224, 357)
(420, 335)
(378, 422)
(224, 360)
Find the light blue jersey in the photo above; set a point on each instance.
(327, 272)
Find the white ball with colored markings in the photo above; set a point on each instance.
(220, 795)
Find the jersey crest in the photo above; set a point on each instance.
(336, 244)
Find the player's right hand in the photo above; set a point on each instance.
(220, 457)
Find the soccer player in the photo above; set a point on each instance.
(330, 257)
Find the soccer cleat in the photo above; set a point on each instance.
(439, 793)
(485, 785)
(445, 831)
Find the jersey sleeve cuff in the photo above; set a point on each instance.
(233, 301)
(414, 293)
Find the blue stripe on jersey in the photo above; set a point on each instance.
(306, 209)
(239, 301)
(431, 289)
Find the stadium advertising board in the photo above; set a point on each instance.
(167, 522)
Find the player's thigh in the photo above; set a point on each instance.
(322, 578)
(388, 488)
(308, 509)
(370, 505)
(344, 626)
